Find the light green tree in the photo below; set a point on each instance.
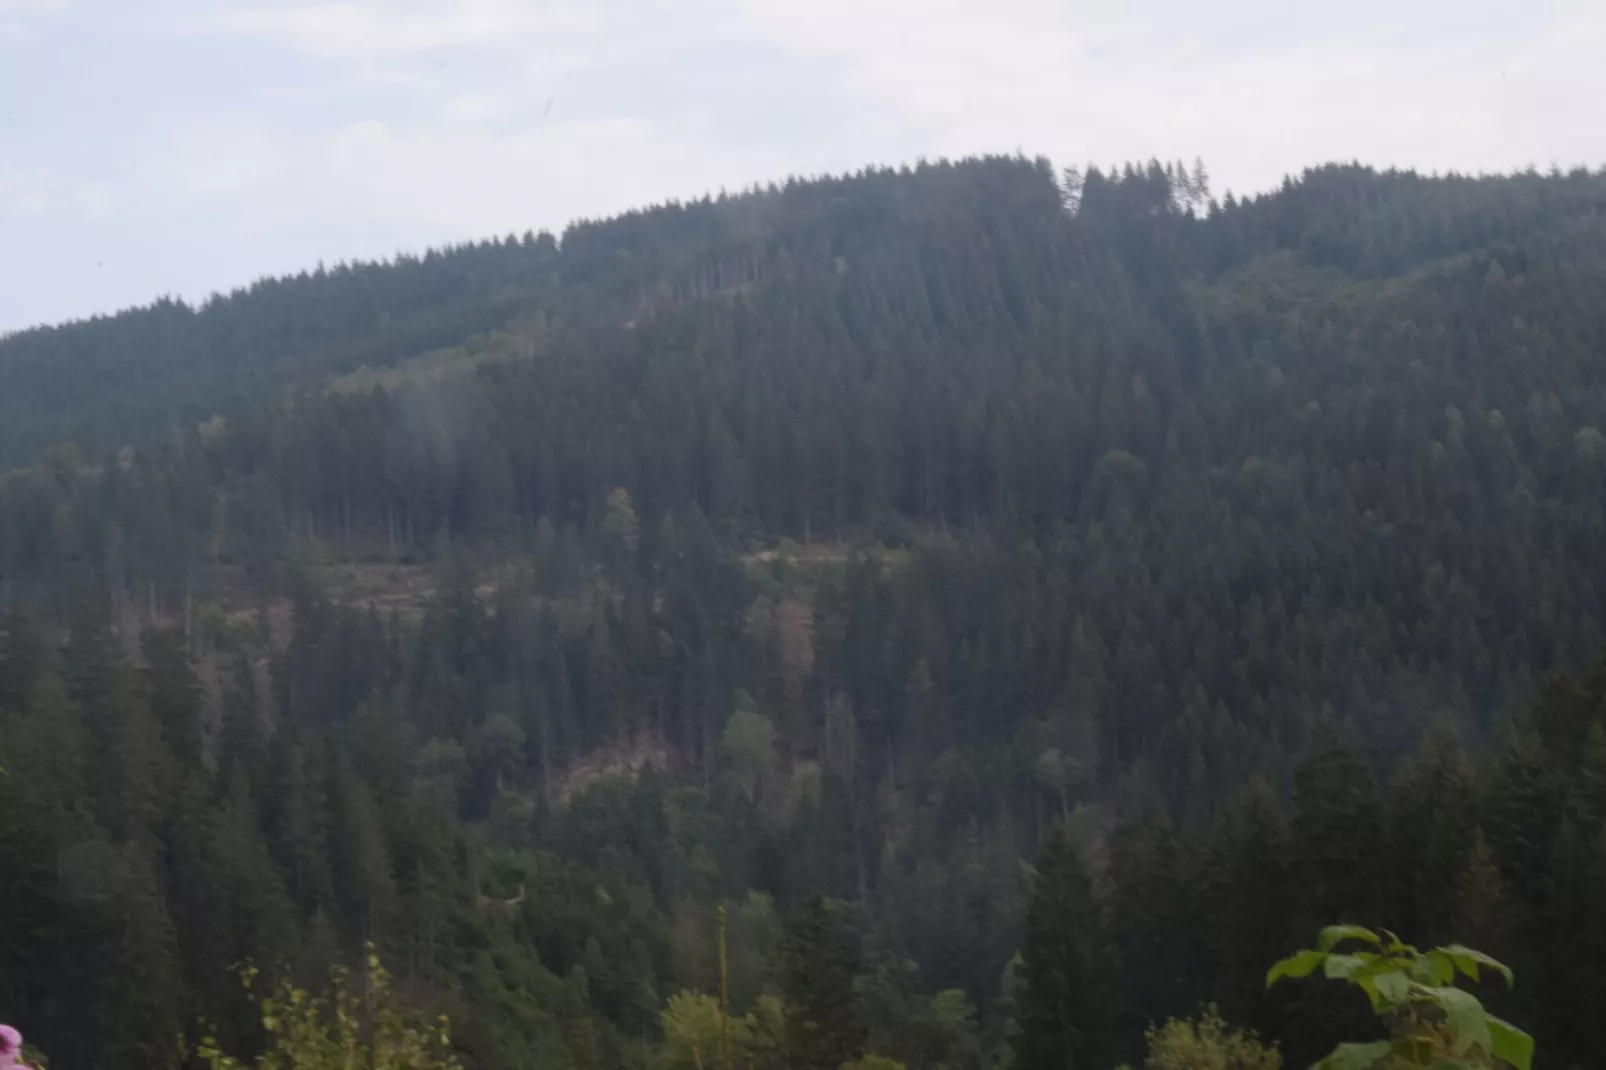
(620, 528)
(1059, 772)
(368, 1028)
(1207, 1043)
(695, 1037)
(749, 744)
(873, 1062)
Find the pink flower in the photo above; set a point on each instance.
(10, 1048)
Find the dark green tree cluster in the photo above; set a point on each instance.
(1491, 852)
(385, 781)
(111, 380)
(513, 607)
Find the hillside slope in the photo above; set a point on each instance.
(845, 536)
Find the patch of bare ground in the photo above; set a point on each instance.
(627, 758)
(399, 589)
(812, 553)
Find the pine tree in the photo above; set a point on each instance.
(1482, 911)
(824, 1024)
(1157, 922)
(1338, 837)
(1252, 899)
(1432, 824)
(174, 696)
(1064, 1014)
(147, 1029)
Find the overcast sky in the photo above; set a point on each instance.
(186, 146)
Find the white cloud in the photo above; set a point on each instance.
(17, 27)
(439, 181)
(553, 36)
(95, 200)
(31, 193)
(369, 31)
(652, 99)
(1258, 88)
(528, 115)
(26, 193)
(223, 160)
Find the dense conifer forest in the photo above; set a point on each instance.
(1022, 604)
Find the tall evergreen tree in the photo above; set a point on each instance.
(1063, 998)
(824, 1023)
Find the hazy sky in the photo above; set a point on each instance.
(184, 146)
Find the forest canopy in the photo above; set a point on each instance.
(924, 565)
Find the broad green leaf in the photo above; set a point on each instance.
(1468, 960)
(1334, 935)
(1434, 968)
(1465, 1017)
(1300, 964)
(1393, 986)
(1355, 1056)
(1510, 1044)
(1376, 964)
(1340, 967)
(1383, 980)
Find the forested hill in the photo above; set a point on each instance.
(1005, 223)
(513, 605)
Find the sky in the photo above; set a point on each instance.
(182, 147)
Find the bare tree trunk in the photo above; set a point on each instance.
(707, 747)
(546, 758)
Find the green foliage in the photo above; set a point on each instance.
(695, 1037)
(1062, 996)
(824, 1024)
(1207, 1043)
(368, 1027)
(873, 1062)
(749, 743)
(1431, 1022)
(620, 527)
(1189, 504)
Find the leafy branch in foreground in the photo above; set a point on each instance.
(1431, 1022)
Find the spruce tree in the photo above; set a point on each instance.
(824, 1025)
(1064, 1012)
